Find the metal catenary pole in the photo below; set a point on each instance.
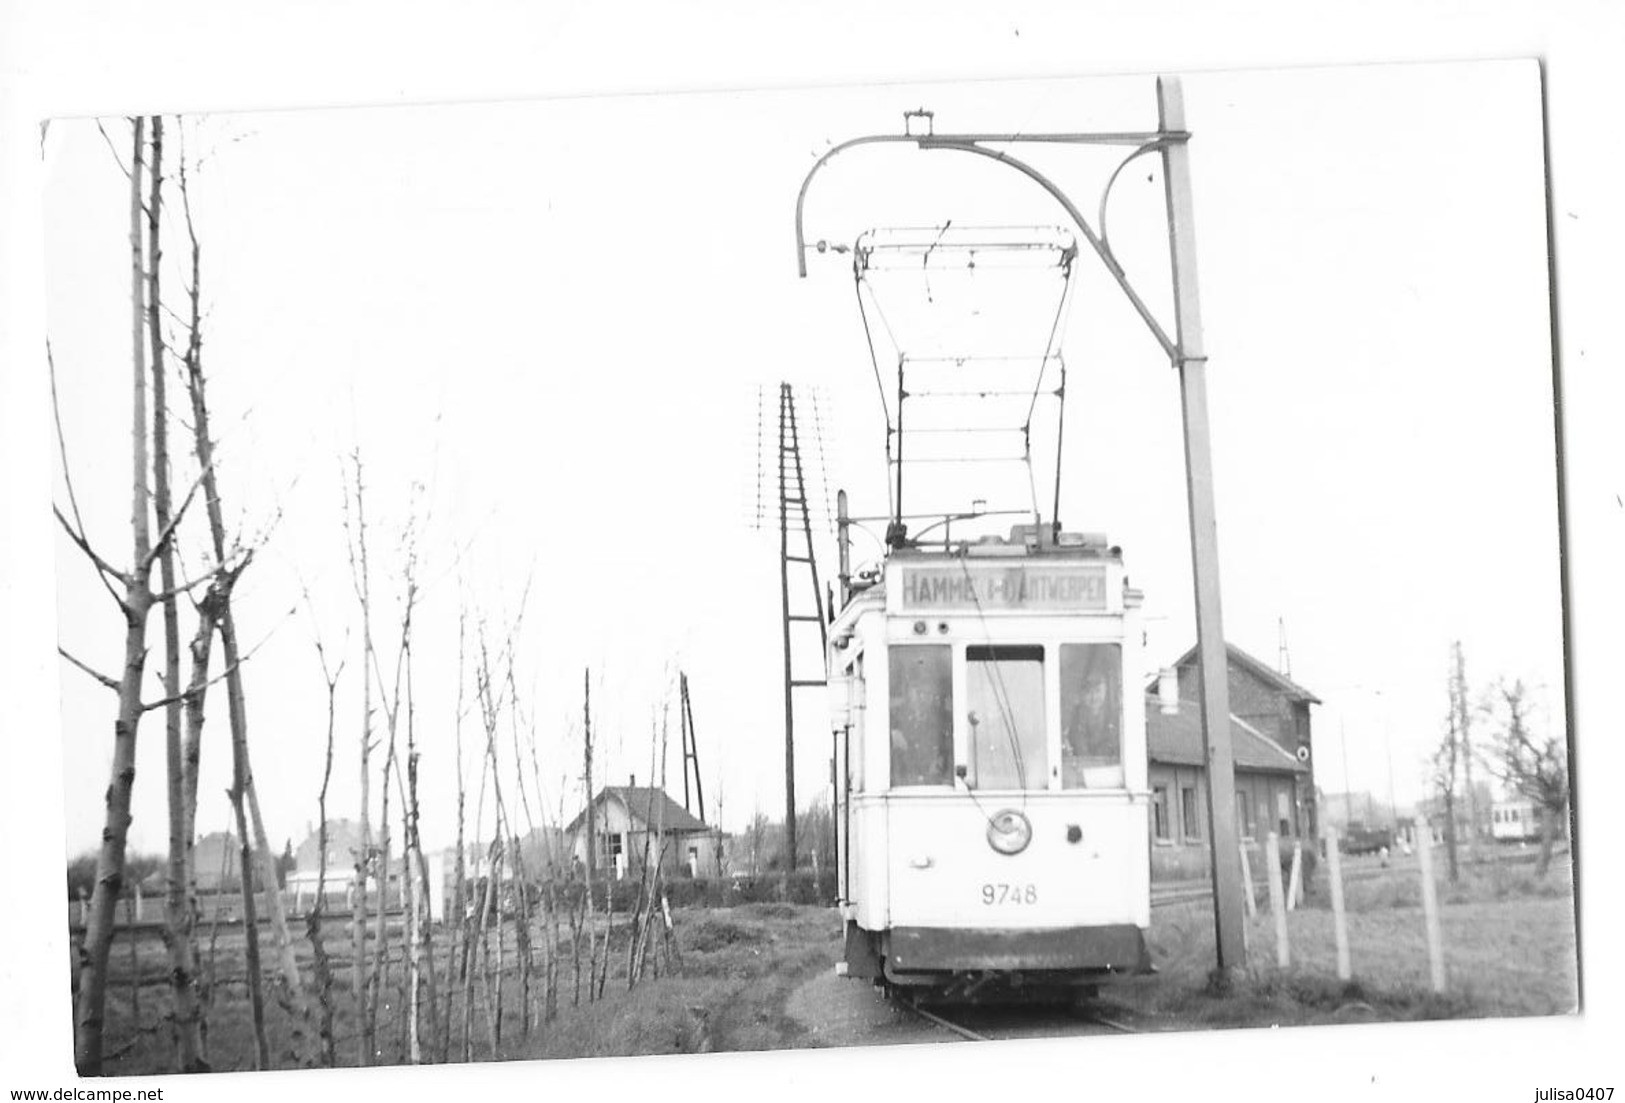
(1190, 360)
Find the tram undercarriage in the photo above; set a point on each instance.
(996, 965)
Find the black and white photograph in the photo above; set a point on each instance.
(1038, 560)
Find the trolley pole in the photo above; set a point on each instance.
(1191, 362)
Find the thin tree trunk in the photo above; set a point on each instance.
(1547, 834)
(481, 914)
(208, 616)
(178, 929)
(501, 968)
(405, 995)
(236, 711)
(380, 944)
(521, 931)
(137, 602)
(313, 921)
(251, 932)
(360, 979)
(135, 961)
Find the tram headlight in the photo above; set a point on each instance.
(1009, 832)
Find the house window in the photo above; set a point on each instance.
(922, 700)
(1189, 816)
(1244, 815)
(1005, 687)
(1091, 715)
(1159, 813)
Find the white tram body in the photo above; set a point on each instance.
(991, 795)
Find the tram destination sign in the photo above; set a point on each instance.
(964, 587)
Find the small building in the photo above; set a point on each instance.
(1270, 741)
(343, 847)
(630, 821)
(217, 862)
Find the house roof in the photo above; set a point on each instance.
(1272, 678)
(1176, 740)
(648, 804)
(340, 833)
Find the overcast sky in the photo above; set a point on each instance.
(558, 316)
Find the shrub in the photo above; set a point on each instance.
(800, 887)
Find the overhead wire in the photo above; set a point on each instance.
(863, 262)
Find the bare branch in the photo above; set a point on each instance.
(102, 565)
(193, 691)
(174, 522)
(220, 571)
(117, 160)
(110, 683)
(78, 531)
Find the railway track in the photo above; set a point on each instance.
(1021, 1022)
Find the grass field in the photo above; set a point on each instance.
(1509, 943)
(1508, 938)
(723, 990)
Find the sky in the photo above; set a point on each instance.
(561, 319)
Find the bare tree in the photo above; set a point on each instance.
(313, 920)
(1464, 725)
(1534, 767)
(360, 974)
(756, 839)
(459, 951)
(134, 603)
(1447, 756)
(185, 1018)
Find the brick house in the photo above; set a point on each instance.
(1272, 745)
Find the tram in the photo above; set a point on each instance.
(991, 798)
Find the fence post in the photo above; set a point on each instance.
(1247, 883)
(1272, 856)
(1294, 888)
(1334, 881)
(1430, 908)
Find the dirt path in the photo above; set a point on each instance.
(836, 1011)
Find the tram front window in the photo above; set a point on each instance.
(1006, 715)
(922, 707)
(1091, 715)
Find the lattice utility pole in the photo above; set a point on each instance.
(793, 497)
(691, 750)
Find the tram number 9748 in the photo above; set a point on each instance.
(1001, 893)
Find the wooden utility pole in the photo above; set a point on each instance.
(1213, 666)
(586, 728)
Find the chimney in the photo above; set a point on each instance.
(1168, 691)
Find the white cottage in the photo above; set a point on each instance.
(629, 821)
